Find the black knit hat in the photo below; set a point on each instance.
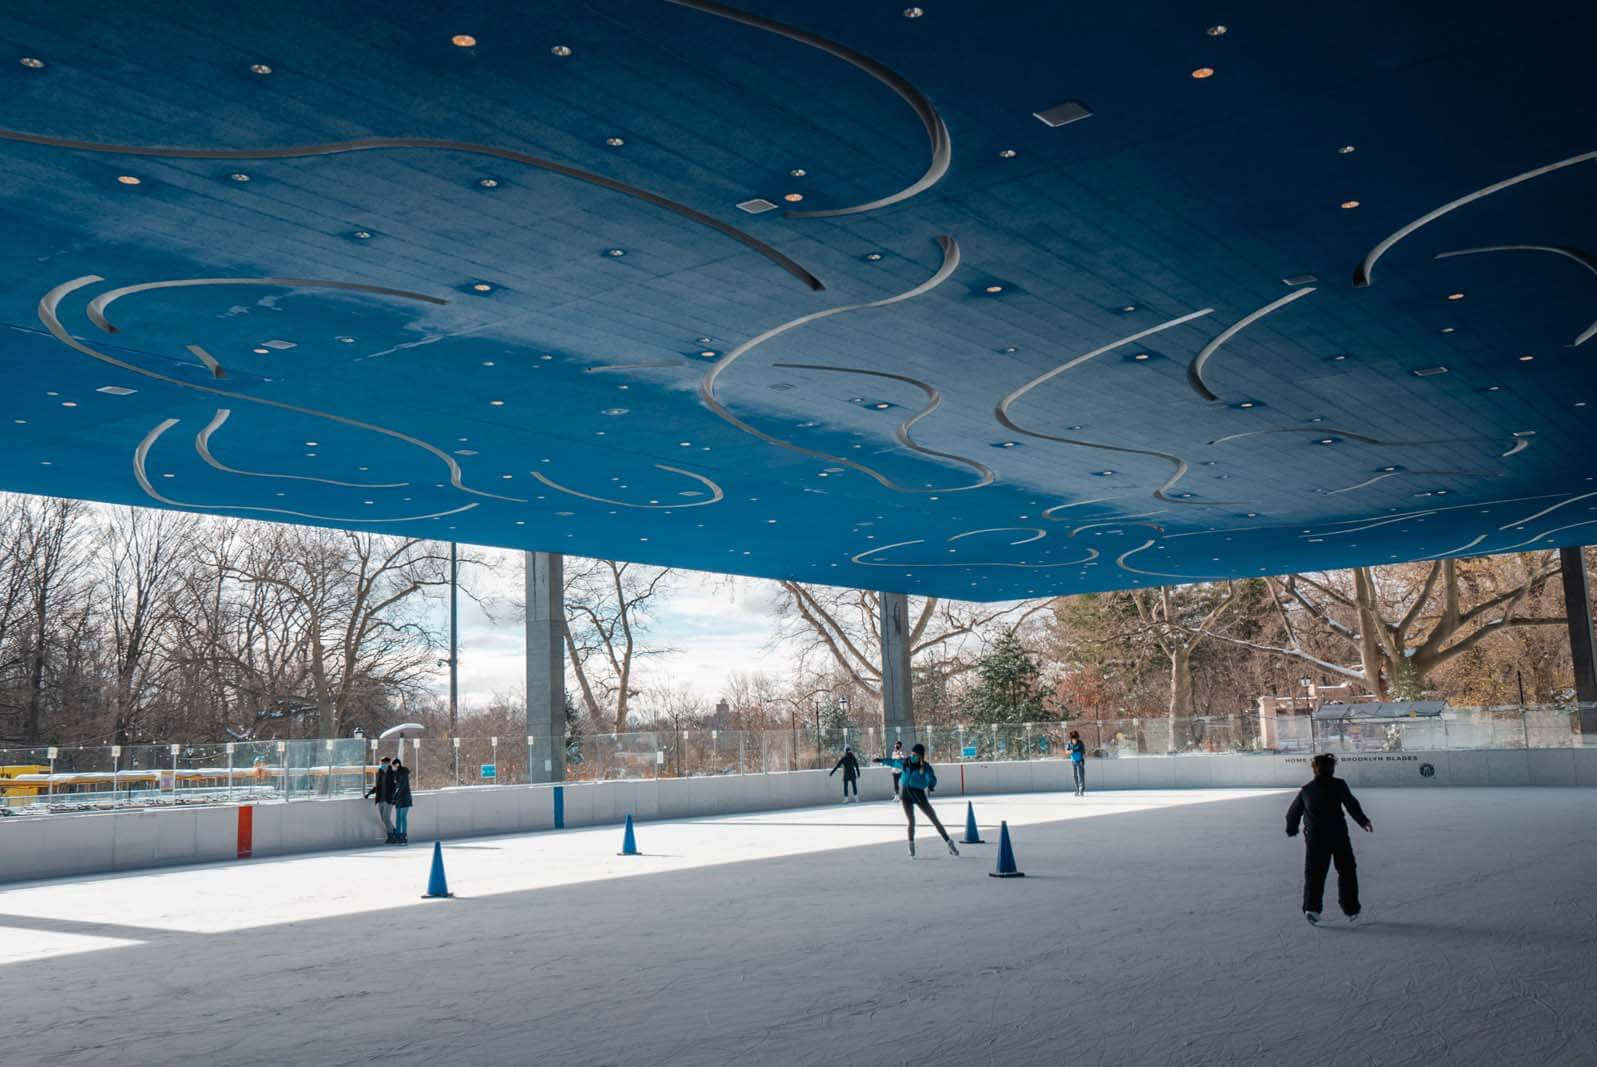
(919, 749)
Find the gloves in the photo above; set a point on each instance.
(1291, 833)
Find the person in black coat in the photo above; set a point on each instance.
(401, 779)
(383, 790)
(1318, 806)
(850, 767)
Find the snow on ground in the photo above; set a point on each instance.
(1152, 928)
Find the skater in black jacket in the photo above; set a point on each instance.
(849, 765)
(1318, 806)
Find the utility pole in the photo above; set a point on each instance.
(454, 638)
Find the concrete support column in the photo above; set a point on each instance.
(898, 706)
(1577, 605)
(546, 666)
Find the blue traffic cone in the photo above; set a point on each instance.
(1006, 856)
(437, 886)
(629, 843)
(972, 835)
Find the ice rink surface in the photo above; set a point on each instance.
(1152, 928)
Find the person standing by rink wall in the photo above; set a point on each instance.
(402, 802)
(383, 790)
(850, 765)
(1078, 762)
(1318, 806)
(918, 780)
(895, 760)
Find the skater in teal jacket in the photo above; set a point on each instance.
(917, 782)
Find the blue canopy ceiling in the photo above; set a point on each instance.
(806, 289)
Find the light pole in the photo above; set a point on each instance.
(454, 637)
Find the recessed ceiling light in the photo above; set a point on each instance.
(482, 287)
(793, 198)
(1338, 358)
(613, 411)
(1345, 150)
(1216, 31)
(260, 68)
(1008, 444)
(1129, 308)
(463, 40)
(614, 142)
(1203, 72)
(881, 406)
(261, 351)
(32, 63)
(1245, 404)
(995, 289)
(1526, 359)
(616, 253)
(708, 353)
(362, 235)
(488, 183)
(757, 205)
(1349, 205)
(560, 50)
(346, 340)
(127, 179)
(913, 12)
(1009, 350)
(797, 172)
(1104, 474)
(1007, 153)
(1580, 403)
(1140, 357)
(1326, 441)
(1429, 372)
(69, 403)
(1491, 389)
(496, 403)
(116, 390)
(239, 176)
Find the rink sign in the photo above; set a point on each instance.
(488, 770)
(968, 752)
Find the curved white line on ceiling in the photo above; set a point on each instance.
(1128, 521)
(1370, 525)
(210, 361)
(1465, 547)
(1037, 534)
(95, 312)
(936, 131)
(1544, 535)
(1548, 511)
(49, 316)
(1048, 512)
(716, 495)
(1366, 482)
(1120, 561)
(950, 249)
(1365, 518)
(1092, 554)
(1520, 444)
(1568, 253)
(202, 445)
(1364, 275)
(1195, 368)
(934, 400)
(141, 454)
(369, 144)
(1001, 413)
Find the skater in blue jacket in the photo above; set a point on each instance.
(918, 781)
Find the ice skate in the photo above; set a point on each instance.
(1353, 919)
(1313, 917)
(912, 849)
(952, 850)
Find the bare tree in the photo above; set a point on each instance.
(843, 626)
(1402, 622)
(608, 607)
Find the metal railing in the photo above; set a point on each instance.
(61, 779)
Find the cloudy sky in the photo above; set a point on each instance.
(715, 628)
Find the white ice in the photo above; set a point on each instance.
(1153, 927)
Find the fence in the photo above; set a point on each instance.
(40, 780)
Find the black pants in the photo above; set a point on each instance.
(1317, 860)
(916, 798)
(896, 777)
(850, 783)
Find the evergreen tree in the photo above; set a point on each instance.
(1008, 687)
